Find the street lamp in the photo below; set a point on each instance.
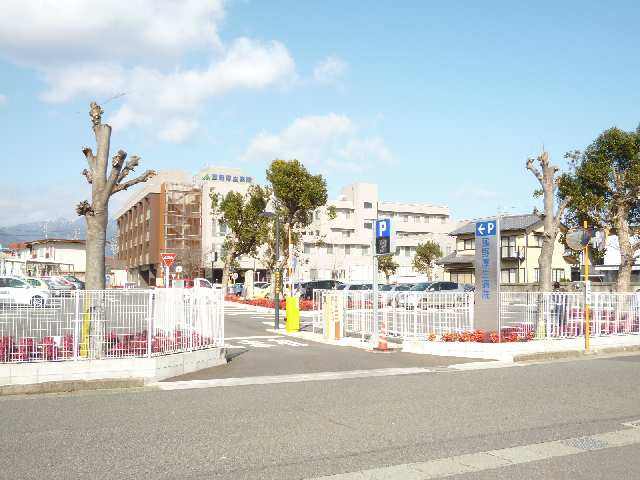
(276, 294)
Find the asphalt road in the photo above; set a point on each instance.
(309, 429)
(255, 352)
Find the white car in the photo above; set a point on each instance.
(18, 290)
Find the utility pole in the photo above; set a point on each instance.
(276, 295)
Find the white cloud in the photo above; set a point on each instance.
(3, 99)
(49, 32)
(329, 70)
(331, 140)
(136, 48)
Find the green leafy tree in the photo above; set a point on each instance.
(297, 195)
(604, 189)
(387, 265)
(248, 228)
(426, 255)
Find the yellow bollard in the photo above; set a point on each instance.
(293, 314)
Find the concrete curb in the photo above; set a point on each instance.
(70, 386)
(569, 354)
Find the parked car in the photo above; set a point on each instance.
(19, 291)
(59, 286)
(79, 284)
(261, 290)
(37, 283)
(309, 287)
(445, 286)
(390, 292)
(235, 289)
(408, 299)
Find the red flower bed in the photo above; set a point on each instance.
(482, 336)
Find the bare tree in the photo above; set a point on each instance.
(103, 186)
(548, 179)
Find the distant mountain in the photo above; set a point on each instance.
(60, 228)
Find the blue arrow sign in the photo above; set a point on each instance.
(486, 229)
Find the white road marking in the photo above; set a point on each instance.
(484, 365)
(495, 459)
(256, 343)
(253, 336)
(290, 343)
(294, 378)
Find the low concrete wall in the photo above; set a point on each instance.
(142, 370)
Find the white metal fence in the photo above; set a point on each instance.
(562, 314)
(401, 314)
(112, 324)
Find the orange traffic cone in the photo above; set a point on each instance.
(382, 339)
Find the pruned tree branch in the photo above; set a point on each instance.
(84, 208)
(534, 170)
(88, 174)
(116, 167)
(141, 179)
(95, 112)
(561, 208)
(91, 159)
(133, 162)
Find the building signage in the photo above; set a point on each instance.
(383, 236)
(487, 273)
(226, 178)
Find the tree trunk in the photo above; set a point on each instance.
(95, 246)
(228, 260)
(544, 263)
(626, 252)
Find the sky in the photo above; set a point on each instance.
(436, 102)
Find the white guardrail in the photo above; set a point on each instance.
(403, 314)
(112, 324)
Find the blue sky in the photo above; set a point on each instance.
(436, 102)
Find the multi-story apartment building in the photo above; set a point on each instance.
(521, 242)
(340, 248)
(163, 216)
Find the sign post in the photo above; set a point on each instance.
(167, 259)
(382, 246)
(487, 263)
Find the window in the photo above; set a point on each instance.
(347, 249)
(397, 250)
(508, 247)
(469, 244)
(368, 205)
(537, 240)
(367, 225)
(404, 218)
(317, 215)
(462, 277)
(329, 249)
(417, 218)
(557, 275)
(443, 219)
(347, 215)
(536, 274)
(508, 275)
(307, 248)
(407, 251)
(365, 250)
(346, 234)
(223, 227)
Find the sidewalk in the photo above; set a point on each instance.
(526, 351)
